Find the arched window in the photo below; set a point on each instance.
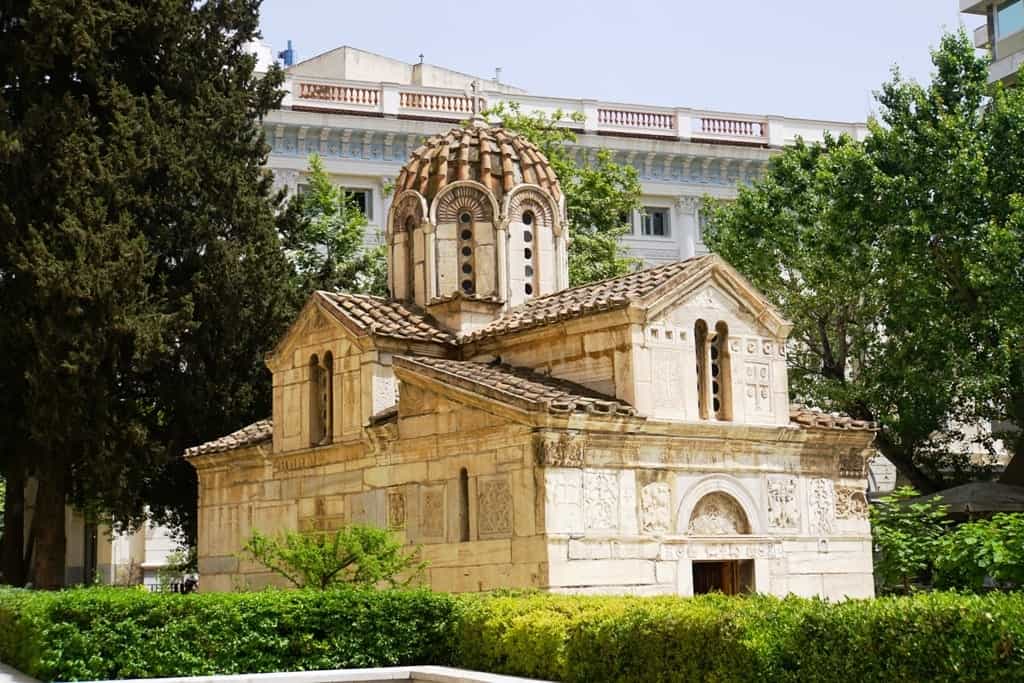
(410, 258)
(327, 398)
(700, 345)
(463, 505)
(320, 399)
(721, 373)
(467, 279)
(529, 253)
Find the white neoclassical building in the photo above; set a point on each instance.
(364, 114)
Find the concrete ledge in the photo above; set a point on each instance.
(9, 675)
(421, 674)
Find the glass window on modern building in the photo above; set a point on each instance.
(654, 222)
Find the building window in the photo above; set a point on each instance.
(714, 371)
(362, 199)
(1009, 18)
(463, 505)
(700, 345)
(529, 254)
(466, 263)
(410, 258)
(321, 399)
(654, 222)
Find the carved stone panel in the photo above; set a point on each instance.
(851, 503)
(396, 510)
(655, 512)
(563, 499)
(853, 465)
(601, 500)
(562, 449)
(432, 517)
(718, 514)
(494, 506)
(821, 500)
(783, 506)
(757, 388)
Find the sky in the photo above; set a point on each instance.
(814, 59)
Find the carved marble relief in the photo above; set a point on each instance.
(563, 493)
(560, 449)
(853, 465)
(718, 514)
(851, 503)
(396, 510)
(432, 512)
(821, 500)
(494, 508)
(757, 388)
(601, 500)
(655, 508)
(783, 507)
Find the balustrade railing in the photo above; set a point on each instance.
(628, 118)
(684, 124)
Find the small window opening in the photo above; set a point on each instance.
(463, 505)
(721, 373)
(700, 339)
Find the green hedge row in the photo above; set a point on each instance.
(118, 633)
(90, 634)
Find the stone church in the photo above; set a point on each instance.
(627, 436)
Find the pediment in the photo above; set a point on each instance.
(718, 286)
(315, 323)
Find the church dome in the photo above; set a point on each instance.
(496, 158)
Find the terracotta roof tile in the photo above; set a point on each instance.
(816, 418)
(528, 389)
(387, 318)
(257, 432)
(497, 158)
(605, 295)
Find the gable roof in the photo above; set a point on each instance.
(365, 314)
(250, 435)
(520, 387)
(595, 297)
(816, 418)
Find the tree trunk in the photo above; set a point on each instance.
(48, 531)
(904, 462)
(12, 548)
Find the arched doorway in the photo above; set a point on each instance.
(719, 515)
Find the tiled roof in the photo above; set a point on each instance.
(818, 419)
(497, 158)
(250, 435)
(528, 389)
(605, 295)
(387, 318)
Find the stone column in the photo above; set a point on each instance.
(687, 209)
(501, 238)
(429, 263)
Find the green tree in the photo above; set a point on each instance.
(600, 195)
(907, 537)
(898, 261)
(140, 265)
(325, 239)
(356, 555)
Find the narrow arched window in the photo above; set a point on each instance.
(327, 398)
(315, 411)
(467, 278)
(700, 345)
(529, 254)
(463, 505)
(721, 373)
(410, 258)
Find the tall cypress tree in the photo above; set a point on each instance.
(141, 275)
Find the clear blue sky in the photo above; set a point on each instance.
(810, 58)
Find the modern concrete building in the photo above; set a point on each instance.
(364, 113)
(1002, 35)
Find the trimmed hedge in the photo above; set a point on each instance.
(104, 633)
(120, 633)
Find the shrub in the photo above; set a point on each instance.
(906, 537)
(105, 633)
(984, 549)
(357, 554)
(111, 633)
